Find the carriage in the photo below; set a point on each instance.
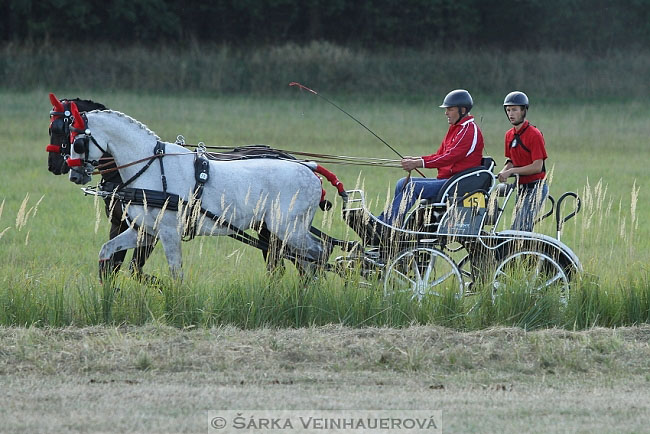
(448, 243)
(451, 242)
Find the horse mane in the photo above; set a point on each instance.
(130, 119)
(86, 105)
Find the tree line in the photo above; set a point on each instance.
(585, 25)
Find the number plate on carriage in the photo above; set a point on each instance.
(476, 200)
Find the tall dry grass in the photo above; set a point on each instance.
(254, 299)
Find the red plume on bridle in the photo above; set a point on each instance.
(78, 125)
(58, 107)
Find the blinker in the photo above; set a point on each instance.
(80, 145)
(58, 126)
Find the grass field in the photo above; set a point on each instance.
(97, 372)
(51, 234)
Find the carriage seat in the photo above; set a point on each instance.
(480, 180)
(468, 181)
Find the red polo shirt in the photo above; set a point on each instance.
(528, 147)
(461, 149)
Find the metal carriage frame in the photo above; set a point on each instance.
(452, 242)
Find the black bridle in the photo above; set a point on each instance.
(61, 117)
(59, 132)
(65, 137)
(79, 141)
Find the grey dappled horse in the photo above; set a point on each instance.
(281, 195)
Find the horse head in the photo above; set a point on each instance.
(59, 131)
(83, 158)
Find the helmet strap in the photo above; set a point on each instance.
(461, 115)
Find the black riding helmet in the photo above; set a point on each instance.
(458, 98)
(516, 98)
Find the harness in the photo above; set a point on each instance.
(163, 199)
(516, 141)
(193, 211)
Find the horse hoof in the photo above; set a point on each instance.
(106, 270)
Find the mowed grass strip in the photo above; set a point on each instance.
(509, 353)
(166, 379)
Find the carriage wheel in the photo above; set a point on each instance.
(423, 271)
(471, 263)
(536, 269)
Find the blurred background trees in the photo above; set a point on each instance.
(585, 25)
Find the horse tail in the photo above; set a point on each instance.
(331, 177)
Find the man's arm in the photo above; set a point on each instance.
(530, 169)
(463, 143)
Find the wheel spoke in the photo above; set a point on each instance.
(430, 267)
(415, 270)
(441, 279)
(403, 278)
(550, 281)
(417, 295)
(539, 266)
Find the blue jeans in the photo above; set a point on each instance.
(529, 203)
(405, 198)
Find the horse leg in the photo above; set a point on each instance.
(117, 227)
(311, 252)
(272, 255)
(126, 240)
(140, 256)
(114, 212)
(171, 242)
(309, 247)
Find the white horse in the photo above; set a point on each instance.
(241, 194)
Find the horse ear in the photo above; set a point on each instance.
(78, 120)
(58, 107)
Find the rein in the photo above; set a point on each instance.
(318, 158)
(100, 171)
(326, 158)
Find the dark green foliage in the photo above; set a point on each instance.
(593, 25)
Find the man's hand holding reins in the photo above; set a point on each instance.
(410, 163)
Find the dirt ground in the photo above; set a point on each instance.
(166, 380)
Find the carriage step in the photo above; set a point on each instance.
(355, 201)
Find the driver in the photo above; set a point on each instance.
(462, 148)
(525, 154)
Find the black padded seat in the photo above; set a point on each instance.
(430, 211)
(467, 181)
(488, 163)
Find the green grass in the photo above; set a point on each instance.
(50, 235)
